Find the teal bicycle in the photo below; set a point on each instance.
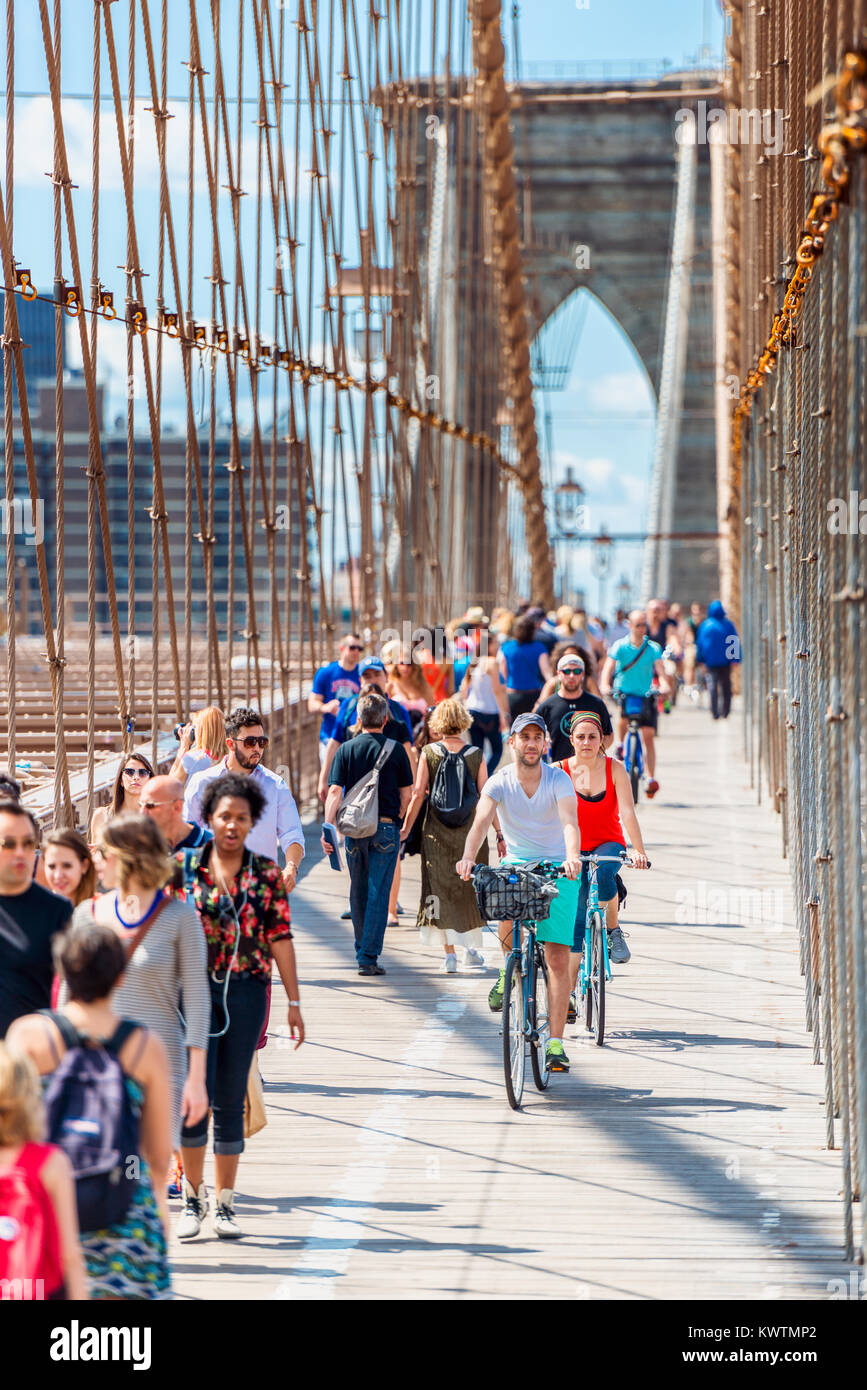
(522, 894)
(595, 965)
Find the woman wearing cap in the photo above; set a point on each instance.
(605, 806)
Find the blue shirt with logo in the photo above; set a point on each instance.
(332, 682)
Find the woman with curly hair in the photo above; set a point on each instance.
(243, 906)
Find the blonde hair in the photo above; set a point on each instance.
(140, 849)
(564, 613)
(415, 678)
(210, 727)
(22, 1117)
(450, 717)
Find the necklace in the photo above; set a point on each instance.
(151, 910)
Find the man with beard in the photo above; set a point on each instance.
(538, 817)
(559, 709)
(279, 826)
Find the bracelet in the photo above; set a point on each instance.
(294, 1003)
(500, 836)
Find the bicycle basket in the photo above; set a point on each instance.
(511, 892)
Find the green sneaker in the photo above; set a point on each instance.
(555, 1057)
(495, 998)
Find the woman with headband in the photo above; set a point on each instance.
(605, 806)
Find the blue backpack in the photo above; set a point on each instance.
(92, 1117)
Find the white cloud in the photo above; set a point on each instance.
(627, 393)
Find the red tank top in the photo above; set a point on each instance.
(32, 1251)
(598, 816)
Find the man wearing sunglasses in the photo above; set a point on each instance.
(279, 826)
(30, 918)
(334, 683)
(163, 800)
(558, 710)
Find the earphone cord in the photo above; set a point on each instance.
(237, 942)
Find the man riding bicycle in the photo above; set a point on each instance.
(537, 811)
(633, 662)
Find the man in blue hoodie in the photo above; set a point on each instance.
(719, 647)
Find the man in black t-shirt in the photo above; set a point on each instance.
(558, 709)
(30, 918)
(372, 858)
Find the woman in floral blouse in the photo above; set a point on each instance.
(244, 909)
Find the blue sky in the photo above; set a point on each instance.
(601, 425)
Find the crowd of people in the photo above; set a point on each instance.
(136, 962)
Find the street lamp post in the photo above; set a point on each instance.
(600, 564)
(569, 520)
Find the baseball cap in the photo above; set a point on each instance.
(572, 660)
(524, 720)
(370, 663)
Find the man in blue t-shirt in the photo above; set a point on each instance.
(334, 683)
(632, 663)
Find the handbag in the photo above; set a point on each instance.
(255, 1114)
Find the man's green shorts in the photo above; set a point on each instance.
(560, 926)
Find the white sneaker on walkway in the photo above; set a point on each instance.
(193, 1214)
(474, 960)
(450, 964)
(225, 1224)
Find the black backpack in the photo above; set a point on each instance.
(454, 793)
(92, 1118)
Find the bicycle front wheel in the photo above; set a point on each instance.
(595, 1015)
(632, 755)
(541, 1023)
(514, 1040)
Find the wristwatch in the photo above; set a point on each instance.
(294, 1003)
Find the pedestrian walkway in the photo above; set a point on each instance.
(684, 1159)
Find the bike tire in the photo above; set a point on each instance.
(540, 1023)
(514, 1041)
(632, 762)
(596, 984)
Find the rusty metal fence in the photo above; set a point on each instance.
(797, 500)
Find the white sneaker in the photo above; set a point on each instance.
(474, 960)
(450, 964)
(193, 1214)
(225, 1224)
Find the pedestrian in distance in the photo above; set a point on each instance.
(132, 774)
(448, 914)
(117, 1072)
(407, 683)
(484, 694)
(40, 1254)
(202, 743)
(719, 648)
(524, 665)
(30, 918)
(243, 905)
(371, 855)
(333, 683)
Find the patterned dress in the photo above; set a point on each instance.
(130, 1259)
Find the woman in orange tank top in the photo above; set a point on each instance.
(605, 806)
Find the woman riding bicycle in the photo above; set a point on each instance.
(605, 805)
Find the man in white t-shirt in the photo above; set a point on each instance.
(538, 818)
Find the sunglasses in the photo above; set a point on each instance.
(27, 844)
(149, 805)
(136, 772)
(354, 647)
(572, 671)
(254, 741)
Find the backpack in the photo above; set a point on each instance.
(454, 793)
(29, 1253)
(358, 815)
(91, 1116)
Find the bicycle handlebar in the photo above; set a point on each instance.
(554, 868)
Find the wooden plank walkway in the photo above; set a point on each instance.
(685, 1159)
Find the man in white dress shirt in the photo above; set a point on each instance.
(280, 824)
